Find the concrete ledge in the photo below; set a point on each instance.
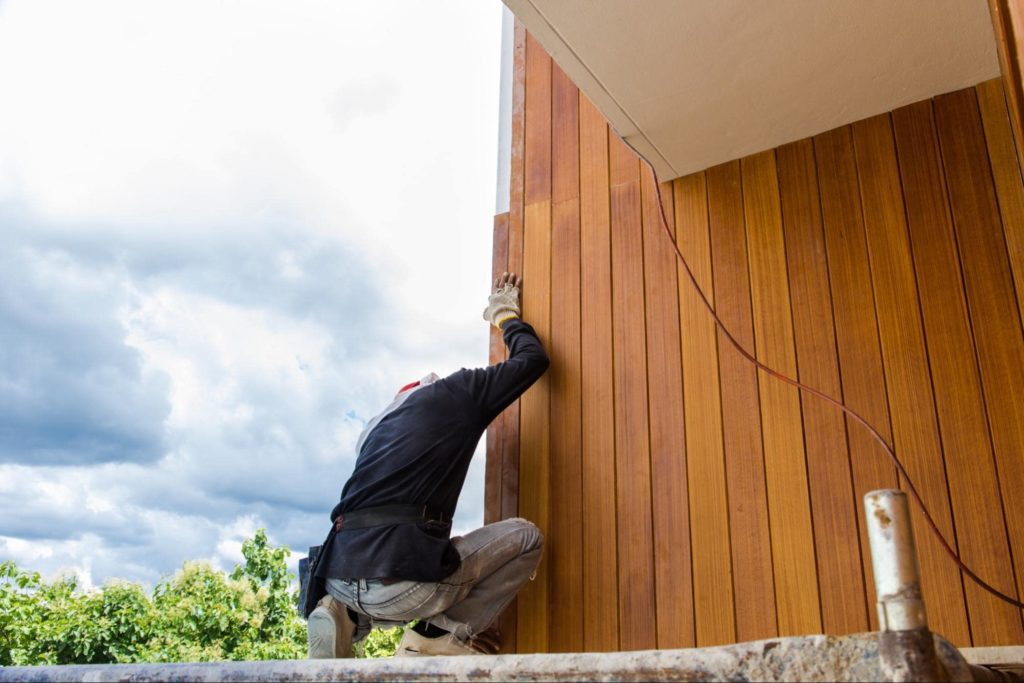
(805, 658)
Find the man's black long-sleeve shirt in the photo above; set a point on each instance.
(419, 454)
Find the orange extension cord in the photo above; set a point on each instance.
(838, 404)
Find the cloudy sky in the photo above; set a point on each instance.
(229, 231)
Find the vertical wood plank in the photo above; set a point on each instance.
(712, 601)
(970, 465)
(1000, 355)
(517, 179)
(538, 122)
(834, 509)
(600, 555)
(789, 518)
(517, 206)
(906, 368)
(492, 471)
(632, 438)
(535, 440)
(860, 352)
(1008, 25)
(669, 487)
(510, 418)
(1010, 193)
(1007, 176)
(750, 540)
(565, 540)
(565, 137)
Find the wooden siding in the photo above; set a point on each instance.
(689, 499)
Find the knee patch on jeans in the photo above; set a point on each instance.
(533, 539)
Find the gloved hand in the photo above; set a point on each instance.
(503, 303)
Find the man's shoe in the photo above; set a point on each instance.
(330, 630)
(415, 645)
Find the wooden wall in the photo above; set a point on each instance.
(689, 499)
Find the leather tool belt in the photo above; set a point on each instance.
(388, 514)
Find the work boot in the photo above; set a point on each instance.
(330, 630)
(415, 645)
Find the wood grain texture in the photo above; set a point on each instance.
(833, 506)
(789, 514)
(600, 554)
(1000, 348)
(565, 534)
(537, 180)
(853, 307)
(534, 439)
(632, 438)
(510, 417)
(535, 436)
(1007, 176)
(517, 206)
(565, 137)
(750, 538)
(713, 610)
(688, 501)
(1008, 26)
(623, 164)
(492, 469)
(908, 380)
(970, 466)
(1010, 193)
(669, 487)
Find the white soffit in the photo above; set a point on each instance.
(694, 83)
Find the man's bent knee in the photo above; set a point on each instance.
(532, 538)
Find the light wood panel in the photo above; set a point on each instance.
(1010, 193)
(510, 440)
(688, 500)
(495, 432)
(535, 442)
(853, 312)
(632, 436)
(997, 332)
(833, 506)
(713, 611)
(670, 501)
(796, 581)
(746, 490)
(906, 367)
(1007, 176)
(600, 554)
(510, 417)
(538, 123)
(1008, 24)
(970, 466)
(566, 528)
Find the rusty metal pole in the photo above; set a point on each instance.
(906, 647)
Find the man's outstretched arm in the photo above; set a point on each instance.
(495, 388)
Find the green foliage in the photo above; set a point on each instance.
(380, 642)
(199, 614)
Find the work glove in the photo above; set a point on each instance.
(503, 303)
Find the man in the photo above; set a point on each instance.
(389, 558)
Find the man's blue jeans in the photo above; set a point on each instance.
(496, 561)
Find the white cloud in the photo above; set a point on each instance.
(228, 232)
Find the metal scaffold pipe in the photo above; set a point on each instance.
(906, 647)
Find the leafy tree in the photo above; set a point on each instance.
(379, 642)
(199, 614)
